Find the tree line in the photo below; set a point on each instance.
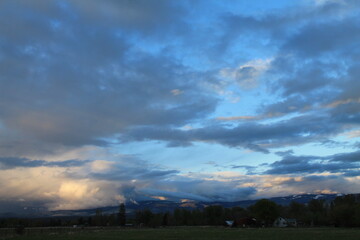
(343, 211)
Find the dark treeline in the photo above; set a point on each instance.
(344, 211)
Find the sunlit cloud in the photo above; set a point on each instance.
(235, 118)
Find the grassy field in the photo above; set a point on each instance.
(197, 233)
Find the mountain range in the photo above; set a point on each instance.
(157, 206)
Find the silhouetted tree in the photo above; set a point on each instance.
(318, 210)
(165, 220)
(214, 215)
(265, 211)
(344, 211)
(122, 215)
(143, 217)
(98, 220)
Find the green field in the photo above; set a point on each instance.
(197, 233)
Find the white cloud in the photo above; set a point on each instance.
(353, 133)
(101, 165)
(176, 92)
(236, 118)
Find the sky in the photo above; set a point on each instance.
(109, 101)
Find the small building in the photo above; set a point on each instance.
(285, 222)
(245, 222)
(229, 223)
(280, 222)
(291, 222)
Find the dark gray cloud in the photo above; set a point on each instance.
(278, 27)
(13, 162)
(345, 163)
(310, 82)
(75, 73)
(352, 157)
(69, 78)
(302, 166)
(317, 65)
(317, 39)
(254, 136)
(137, 16)
(330, 183)
(123, 173)
(310, 41)
(157, 18)
(352, 173)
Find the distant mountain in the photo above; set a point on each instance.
(158, 206)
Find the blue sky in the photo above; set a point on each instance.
(112, 101)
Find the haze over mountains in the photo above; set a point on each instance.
(161, 206)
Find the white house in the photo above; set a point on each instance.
(285, 222)
(229, 223)
(280, 222)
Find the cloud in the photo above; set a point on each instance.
(270, 29)
(321, 183)
(236, 118)
(248, 74)
(336, 37)
(13, 162)
(69, 78)
(147, 18)
(352, 157)
(303, 86)
(175, 196)
(57, 187)
(87, 86)
(353, 134)
(65, 185)
(79, 78)
(128, 177)
(201, 190)
(343, 163)
(254, 136)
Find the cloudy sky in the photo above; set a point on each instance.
(108, 101)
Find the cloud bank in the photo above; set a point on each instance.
(82, 81)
